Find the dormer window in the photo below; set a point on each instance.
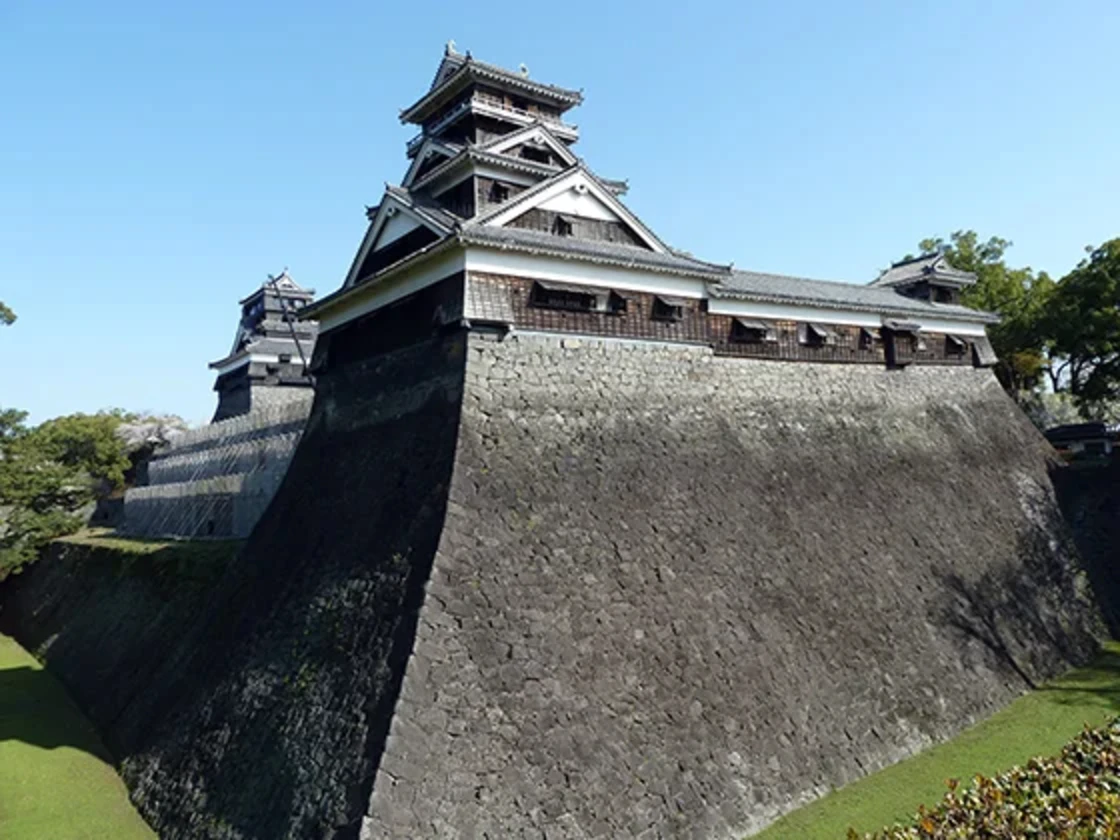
(667, 309)
(815, 335)
(562, 225)
(498, 193)
(744, 331)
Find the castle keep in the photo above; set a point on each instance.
(504, 228)
(586, 537)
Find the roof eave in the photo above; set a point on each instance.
(467, 156)
(976, 315)
(245, 354)
(711, 275)
(417, 111)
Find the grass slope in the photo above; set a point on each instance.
(56, 780)
(1036, 724)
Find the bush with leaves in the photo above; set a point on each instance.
(1076, 795)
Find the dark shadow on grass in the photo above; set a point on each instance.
(1101, 681)
(35, 709)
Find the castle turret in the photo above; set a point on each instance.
(472, 102)
(268, 362)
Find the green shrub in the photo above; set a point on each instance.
(1076, 795)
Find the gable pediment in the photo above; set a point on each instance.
(396, 227)
(580, 203)
(533, 136)
(574, 203)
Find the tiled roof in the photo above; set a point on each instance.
(425, 208)
(779, 288)
(537, 242)
(493, 158)
(270, 345)
(924, 267)
(471, 68)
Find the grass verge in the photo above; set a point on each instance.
(1036, 724)
(56, 780)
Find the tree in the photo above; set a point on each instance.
(86, 442)
(49, 473)
(7, 316)
(1018, 295)
(1083, 325)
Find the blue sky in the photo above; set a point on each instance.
(157, 160)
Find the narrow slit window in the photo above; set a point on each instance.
(667, 309)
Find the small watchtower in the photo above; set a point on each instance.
(271, 351)
(928, 277)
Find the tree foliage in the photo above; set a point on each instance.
(1018, 295)
(1083, 330)
(7, 316)
(49, 473)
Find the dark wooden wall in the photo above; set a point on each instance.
(698, 326)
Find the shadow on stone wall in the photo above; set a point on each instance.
(1023, 626)
(269, 718)
(1089, 497)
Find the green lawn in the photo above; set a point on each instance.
(1036, 724)
(56, 782)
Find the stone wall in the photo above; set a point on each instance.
(268, 716)
(546, 587)
(677, 595)
(217, 480)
